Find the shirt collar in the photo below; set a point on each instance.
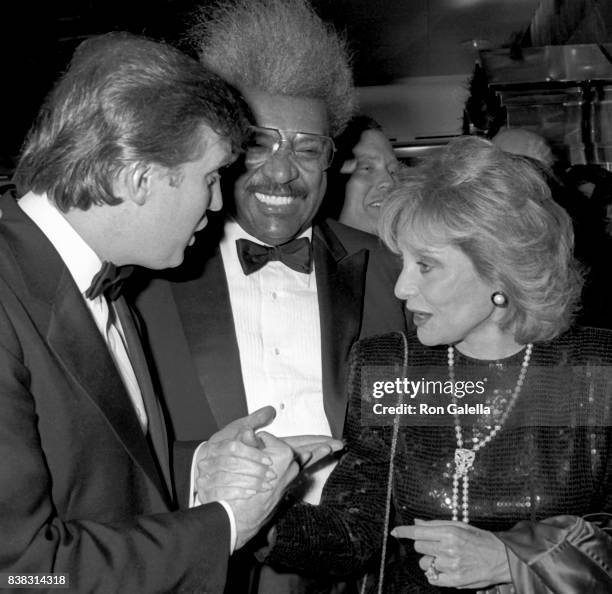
(81, 261)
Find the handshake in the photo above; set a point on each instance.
(250, 471)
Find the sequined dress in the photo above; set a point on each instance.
(552, 457)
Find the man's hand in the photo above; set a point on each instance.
(246, 427)
(252, 513)
(250, 471)
(232, 462)
(237, 472)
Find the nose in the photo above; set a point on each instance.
(216, 200)
(386, 180)
(280, 167)
(406, 285)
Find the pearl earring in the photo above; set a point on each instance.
(499, 299)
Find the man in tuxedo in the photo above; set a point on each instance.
(88, 487)
(268, 314)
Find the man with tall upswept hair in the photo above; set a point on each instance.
(278, 46)
(269, 314)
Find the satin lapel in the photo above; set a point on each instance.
(174, 370)
(76, 341)
(205, 310)
(340, 287)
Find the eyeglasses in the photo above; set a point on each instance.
(310, 151)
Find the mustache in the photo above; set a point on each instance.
(293, 190)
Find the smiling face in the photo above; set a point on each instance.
(450, 302)
(179, 201)
(373, 170)
(276, 200)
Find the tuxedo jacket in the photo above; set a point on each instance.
(80, 491)
(188, 318)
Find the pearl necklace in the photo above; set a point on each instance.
(464, 457)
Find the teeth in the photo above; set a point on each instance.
(273, 200)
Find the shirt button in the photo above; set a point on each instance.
(274, 295)
(276, 351)
(282, 406)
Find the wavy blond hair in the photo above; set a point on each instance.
(497, 208)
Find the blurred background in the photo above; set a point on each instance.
(427, 70)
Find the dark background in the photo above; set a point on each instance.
(389, 39)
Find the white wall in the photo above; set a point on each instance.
(417, 107)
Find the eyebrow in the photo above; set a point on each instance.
(374, 157)
(425, 252)
(426, 256)
(361, 155)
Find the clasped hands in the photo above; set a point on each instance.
(251, 470)
(457, 555)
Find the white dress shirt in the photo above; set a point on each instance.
(276, 317)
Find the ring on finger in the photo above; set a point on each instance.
(431, 572)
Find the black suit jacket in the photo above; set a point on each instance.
(80, 491)
(190, 326)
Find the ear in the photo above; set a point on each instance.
(349, 166)
(136, 182)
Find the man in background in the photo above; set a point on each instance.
(269, 313)
(372, 168)
(133, 130)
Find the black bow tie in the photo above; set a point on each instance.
(297, 254)
(108, 281)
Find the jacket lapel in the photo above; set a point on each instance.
(340, 286)
(174, 372)
(206, 314)
(76, 341)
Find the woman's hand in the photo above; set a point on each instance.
(457, 555)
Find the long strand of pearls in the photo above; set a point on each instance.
(464, 457)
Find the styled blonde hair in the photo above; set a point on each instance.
(498, 210)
